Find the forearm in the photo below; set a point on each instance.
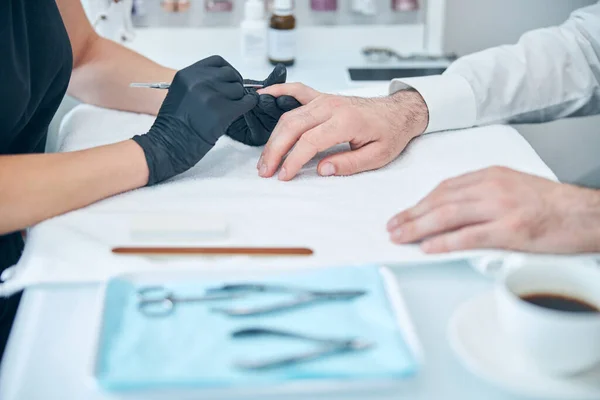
(106, 69)
(549, 74)
(36, 187)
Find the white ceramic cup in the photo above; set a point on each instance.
(558, 342)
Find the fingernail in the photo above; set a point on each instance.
(392, 224)
(397, 234)
(263, 170)
(259, 163)
(327, 169)
(282, 174)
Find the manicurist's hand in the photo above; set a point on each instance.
(203, 100)
(255, 127)
(377, 129)
(503, 209)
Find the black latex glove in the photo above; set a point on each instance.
(255, 127)
(203, 100)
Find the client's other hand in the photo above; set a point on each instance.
(502, 209)
(203, 100)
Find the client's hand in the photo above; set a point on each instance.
(204, 99)
(377, 129)
(254, 128)
(503, 209)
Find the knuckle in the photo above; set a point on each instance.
(216, 58)
(494, 186)
(309, 141)
(445, 184)
(504, 203)
(335, 101)
(287, 121)
(446, 214)
(385, 155)
(474, 239)
(516, 224)
(352, 165)
(410, 229)
(498, 172)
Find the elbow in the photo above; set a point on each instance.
(86, 50)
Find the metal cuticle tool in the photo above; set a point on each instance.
(325, 347)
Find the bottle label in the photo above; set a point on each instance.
(282, 44)
(254, 45)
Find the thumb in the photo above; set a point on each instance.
(352, 162)
(278, 75)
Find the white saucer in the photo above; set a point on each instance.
(477, 339)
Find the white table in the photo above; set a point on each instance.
(49, 353)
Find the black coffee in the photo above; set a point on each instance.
(559, 302)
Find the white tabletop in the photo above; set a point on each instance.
(51, 348)
(49, 353)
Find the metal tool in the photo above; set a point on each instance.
(166, 85)
(158, 301)
(326, 347)
(303, 297)
(384, 54)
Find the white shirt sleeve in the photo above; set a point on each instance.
(550, 73)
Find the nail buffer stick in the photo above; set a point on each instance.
(215, 251)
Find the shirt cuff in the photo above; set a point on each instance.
(449, 98)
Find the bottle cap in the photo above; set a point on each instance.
(283, 7)
(254, 10)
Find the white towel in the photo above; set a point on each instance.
(341, 218)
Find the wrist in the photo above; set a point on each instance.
(410, 105)
(581, 208)
(139, 165)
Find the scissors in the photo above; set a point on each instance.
(303, 297)
(166, 85)
(158, 301)
(326, 347)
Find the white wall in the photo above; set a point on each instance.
(570, 147)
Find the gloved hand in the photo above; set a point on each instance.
(255, 127)
(203, 100)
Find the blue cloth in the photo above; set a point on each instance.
(193, 346)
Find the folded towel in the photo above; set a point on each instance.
(193, 346)
(341, 218)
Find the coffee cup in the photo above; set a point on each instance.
(550, 310)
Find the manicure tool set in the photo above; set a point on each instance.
(159, 301)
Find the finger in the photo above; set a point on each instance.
(309, 145)
(287, 103)
(277, 76)
(352, 162)
(268, 105)
(213, 61)
(470, 178)
(443, 219)
(229, 74)
(234, 91)
(463, 188)
(302, 93)
(276, 107)
(482, 236)
(288, 131)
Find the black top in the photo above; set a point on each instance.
(35, 66)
